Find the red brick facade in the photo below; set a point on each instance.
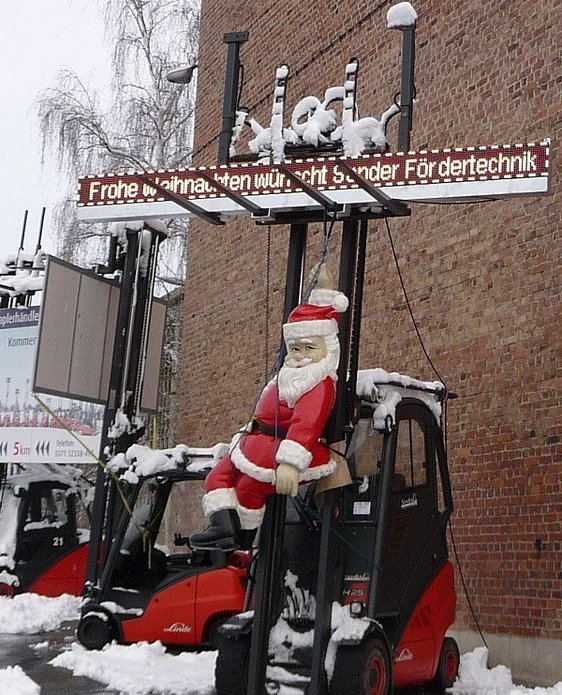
(484, 280)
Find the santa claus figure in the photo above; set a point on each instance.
(281, 446)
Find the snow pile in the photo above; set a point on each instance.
(31, 613)
(345, 628)
(401, 15)
(143, 669)
(320, 121)
(475, 678)
(141, 460)
(14, 681)
(121, 425)
(22, 273)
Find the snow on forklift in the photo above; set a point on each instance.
(42, 547)
(144, 593)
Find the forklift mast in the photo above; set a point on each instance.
(137, 265)
(340, 425)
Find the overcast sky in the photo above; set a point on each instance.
(37, 39)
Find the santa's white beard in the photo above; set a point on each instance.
(293, 382)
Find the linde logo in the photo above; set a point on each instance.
(405, 655)
(379, 170)
(177, 627)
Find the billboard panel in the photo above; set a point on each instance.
(77, 332)
(28, 433)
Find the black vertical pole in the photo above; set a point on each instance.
(356, 320)
(271, 533)
(348, 261)
(407, 87)
(336, 430)
(234, 40)
(38, 246)
(103, 492)
(22, 239)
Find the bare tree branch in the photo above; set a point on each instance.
(148, 124)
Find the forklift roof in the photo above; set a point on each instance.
(24, 475)
(142, 461)
(382, 391)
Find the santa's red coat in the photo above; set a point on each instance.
(245, 477)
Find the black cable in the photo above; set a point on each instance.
(267, 303)
(465, 587)
(422, 344)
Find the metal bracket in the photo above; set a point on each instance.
(196, 210)
(239, 199)
(319, 197)
(396, 207)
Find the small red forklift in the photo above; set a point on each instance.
(42, 548)
(147, 593)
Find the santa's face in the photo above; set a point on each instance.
(305, 351)
(305, 368)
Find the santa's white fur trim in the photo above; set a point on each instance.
(309, 329)
(293, 453)
(333, 298)
(264, 475)
(222, 498)
(317, 472)
(250, 518)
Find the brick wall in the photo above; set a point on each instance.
(483, 279)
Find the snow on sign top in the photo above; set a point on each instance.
(449, 175)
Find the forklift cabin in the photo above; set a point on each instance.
(39, 523)
(391, 580)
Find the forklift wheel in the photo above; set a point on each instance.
(7, 590)
(95, 630)
(231, 670)
(362, 669)
(447, 668)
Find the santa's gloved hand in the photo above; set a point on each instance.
(286, 479)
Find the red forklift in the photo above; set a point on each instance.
(146, 592)
(135, 590)
(374, 552)
(42, 547)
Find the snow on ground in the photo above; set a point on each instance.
(475, 678)
(143, 669)
(31, 613)
(14, 681)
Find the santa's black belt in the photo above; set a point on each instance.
(272, 431)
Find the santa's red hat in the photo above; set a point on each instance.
(317, 317)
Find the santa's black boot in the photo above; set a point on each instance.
(246, 538)
(223, 532)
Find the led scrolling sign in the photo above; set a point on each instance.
(521, 168)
